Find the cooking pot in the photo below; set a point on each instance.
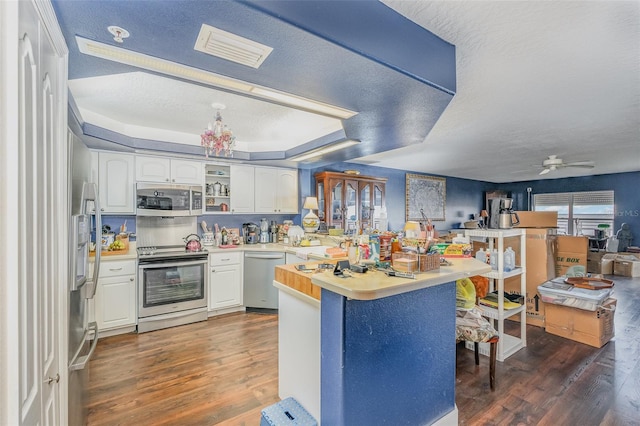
(193, 243)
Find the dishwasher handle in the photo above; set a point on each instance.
(264, 255)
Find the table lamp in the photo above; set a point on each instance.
(484, 216)
(310, 222)
(412, 229)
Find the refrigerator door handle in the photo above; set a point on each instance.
(79, 362)
(90, 193)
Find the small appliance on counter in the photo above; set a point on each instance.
(264, 231)
(506, 219)
(250, 233)
(273, 232)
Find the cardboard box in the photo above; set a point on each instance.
(626, 265)
(537, 219)
(606, 263)
(594, 261)
(571, 258)
(594, 328)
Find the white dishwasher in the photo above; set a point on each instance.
(259, 272)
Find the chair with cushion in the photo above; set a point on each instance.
(471, 326)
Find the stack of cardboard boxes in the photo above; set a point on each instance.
(622, 264)
(549, 255)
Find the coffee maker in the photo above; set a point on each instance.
(250, 233)
(506, 216)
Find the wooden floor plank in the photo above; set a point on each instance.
(224, 371)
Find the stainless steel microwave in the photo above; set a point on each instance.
(168, 200)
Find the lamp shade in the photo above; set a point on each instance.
(412, 229)
(310, 203)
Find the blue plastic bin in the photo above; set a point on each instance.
(287, 412)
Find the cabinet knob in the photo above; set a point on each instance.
(130, 279)
(102, 209)
(167, 179)
(213, 270)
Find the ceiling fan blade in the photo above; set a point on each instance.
(544, 172)
(583, 166)
(588, 164)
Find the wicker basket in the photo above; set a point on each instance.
(429, 262)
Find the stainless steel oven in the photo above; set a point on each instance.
(172, 287)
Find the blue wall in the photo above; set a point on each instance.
(464, 197)
(625, 185)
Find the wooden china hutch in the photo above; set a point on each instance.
(349, 201)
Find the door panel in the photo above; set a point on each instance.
(30, 371)
(41, 220)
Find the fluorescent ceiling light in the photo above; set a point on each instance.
(140, 60)
(325, 150)
(303, 103)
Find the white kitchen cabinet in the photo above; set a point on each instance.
(185, 171)
(225, 281)
(115, 298)
(116, 185)
(276, 190)
(167, 170)
(242, 188)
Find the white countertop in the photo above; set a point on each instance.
(376, 284)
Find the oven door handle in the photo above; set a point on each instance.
(161, 264)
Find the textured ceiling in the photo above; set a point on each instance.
(534, 78)
(531, 79)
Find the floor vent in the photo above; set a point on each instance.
(231, 47)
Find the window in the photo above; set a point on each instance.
(579, 213)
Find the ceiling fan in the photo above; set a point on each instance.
(553, 163)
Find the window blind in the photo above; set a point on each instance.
(586, 198)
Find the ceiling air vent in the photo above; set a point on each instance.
(231, 47)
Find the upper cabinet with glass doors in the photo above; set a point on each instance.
(350, 202)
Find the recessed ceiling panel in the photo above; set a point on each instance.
(148, 106)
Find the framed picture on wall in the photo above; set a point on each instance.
(425, 197)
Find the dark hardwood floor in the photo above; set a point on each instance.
(225, 370)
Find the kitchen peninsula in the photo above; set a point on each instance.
(373, 349)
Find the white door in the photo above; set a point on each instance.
(287, 185)
(115, 302)
(242, 189)
(38, 260)
(153, 169)
(187, 172)
(266, 186)
(225, 287)
(116, 183)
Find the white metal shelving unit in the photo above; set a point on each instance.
(508, 344)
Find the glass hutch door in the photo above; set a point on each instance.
(351, 206)
(365, 206)
(337, 205)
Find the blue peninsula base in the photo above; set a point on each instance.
(389, 360)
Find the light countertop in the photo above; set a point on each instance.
(376, 284)
(271, 247)
(106, 256)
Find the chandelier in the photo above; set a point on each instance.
(218, 139)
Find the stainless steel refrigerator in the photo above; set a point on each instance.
(83, 336)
